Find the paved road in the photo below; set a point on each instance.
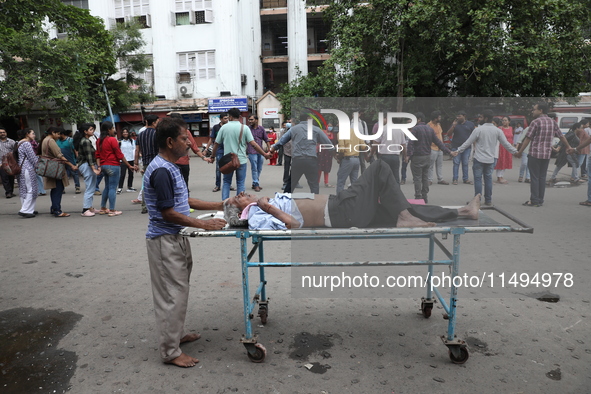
(78, 289)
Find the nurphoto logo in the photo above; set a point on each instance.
(345, 126)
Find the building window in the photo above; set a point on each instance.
(182, 18)
(128, 9)
(77, 3)
(200, 65)
(192, 12)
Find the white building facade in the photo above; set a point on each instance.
(207, 49)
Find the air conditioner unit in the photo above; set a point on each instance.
(184, 91)
(243, 79)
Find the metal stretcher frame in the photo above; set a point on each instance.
(458, 351)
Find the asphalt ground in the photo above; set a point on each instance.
(76, 310)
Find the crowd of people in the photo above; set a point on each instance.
(373, 198)
(488, 142)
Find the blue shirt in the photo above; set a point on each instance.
(461, 133)
(164, 187)
(261, 220)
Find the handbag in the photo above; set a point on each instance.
(230, 162)
(50, 167)
(9, 163)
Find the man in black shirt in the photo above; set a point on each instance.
(146, 145)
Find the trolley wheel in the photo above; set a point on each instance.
(427, 311)
(464, 355)
(259, 353)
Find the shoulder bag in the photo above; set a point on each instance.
(230, 162)
(50, 167)
(10, 164)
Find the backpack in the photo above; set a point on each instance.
(10, 162)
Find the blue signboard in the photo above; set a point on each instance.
(223, 104)
(115, 119)
(192, 118)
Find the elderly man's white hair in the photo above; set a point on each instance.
(232, 215)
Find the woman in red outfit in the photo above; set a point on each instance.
(272, 136)
(505, 161)
(109, 156)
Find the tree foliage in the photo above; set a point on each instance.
(436, 48)
(64, 75)
(129, 87)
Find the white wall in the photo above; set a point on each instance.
(235, 35)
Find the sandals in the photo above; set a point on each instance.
(585, 203)
(104, 212)
(136, 201)
(520, 179)
(114, 213)
(62, 215)
(455, 182)
(530, 204)
(216, 189)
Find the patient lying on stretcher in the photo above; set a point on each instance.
(374, 200)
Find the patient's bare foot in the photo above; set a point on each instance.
(406, 219)
(471, 210)
(190, 337)
(184, 361)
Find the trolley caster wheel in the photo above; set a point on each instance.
(259, 353)
(464, 355)
(427, 311)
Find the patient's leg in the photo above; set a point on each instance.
(406, 219)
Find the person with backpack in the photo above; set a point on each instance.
(27, 179)
(6, 147)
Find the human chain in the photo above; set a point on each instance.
(503, 280)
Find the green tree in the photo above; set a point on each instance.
(64, 75)
(441, 48)
(59, 74)
(130, 86)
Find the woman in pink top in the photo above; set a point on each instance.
(505, 161)
(109, 154)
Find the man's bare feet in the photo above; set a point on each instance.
(471, 210)
(184, 361)
(406, 219)
(190, 337)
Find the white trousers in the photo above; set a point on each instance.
(29, 199)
